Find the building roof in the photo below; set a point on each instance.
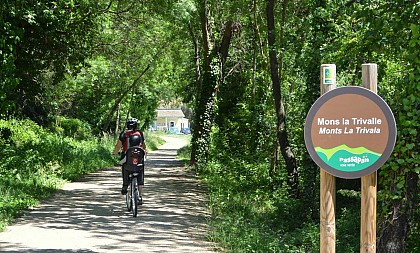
(170, 113)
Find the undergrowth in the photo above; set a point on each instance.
(34, 163)
(153, 140)
(249, 215)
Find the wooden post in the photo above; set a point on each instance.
(327, 181)
(369, 182)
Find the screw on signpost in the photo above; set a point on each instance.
(369, 182)
(327, 181)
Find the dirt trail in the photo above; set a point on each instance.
(90, 215)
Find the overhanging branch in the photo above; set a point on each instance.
(121, 97)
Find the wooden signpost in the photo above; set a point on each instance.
(327, 181)
(349, 132)
(368, 184)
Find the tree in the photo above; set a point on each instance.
(9, 38)
(131, 70)
(215, 54)
(282, 141)
(401, 173)
(50, 37)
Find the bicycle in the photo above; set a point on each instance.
(134, 164)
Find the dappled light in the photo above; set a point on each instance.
(89, 215)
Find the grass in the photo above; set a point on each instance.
(19, 195)
(250, 216)
(153, 140)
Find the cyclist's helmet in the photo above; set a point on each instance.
(131, 123)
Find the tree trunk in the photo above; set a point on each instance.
(206, 94)
(394, 232)
(193, 159)
(117, 123)
(199, 140)
(282, 142)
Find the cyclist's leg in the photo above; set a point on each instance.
(125, 175)
(141, 181)
(141, 184)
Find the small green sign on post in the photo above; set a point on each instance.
(328, 76)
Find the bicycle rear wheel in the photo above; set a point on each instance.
(128, 199)
(135, 196)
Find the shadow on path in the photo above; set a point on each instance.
(90, 216)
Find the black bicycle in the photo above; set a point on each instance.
(133, 197)
(134, 164)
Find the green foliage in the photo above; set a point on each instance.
(239, 209)
(64, 64)
(248, 216)
(153, 140)
(137, 38)
(9, 37)
(74, 128)
(405, 161)
(184, 153)
(34, 163)
(76, 59)
(45, 39)
(19, 133)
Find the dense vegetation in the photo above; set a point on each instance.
(247, 70)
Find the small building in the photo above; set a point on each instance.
(170, 120)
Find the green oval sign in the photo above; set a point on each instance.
(350, 132)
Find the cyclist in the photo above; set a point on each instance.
(129, 138)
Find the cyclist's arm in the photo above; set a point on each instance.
(119, 144)
(117, 147)
(143, 141)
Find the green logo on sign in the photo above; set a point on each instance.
(348, 159)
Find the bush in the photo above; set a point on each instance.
(19, 132)
(74, 128)
(250, 216)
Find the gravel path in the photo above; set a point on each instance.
(90, 215)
